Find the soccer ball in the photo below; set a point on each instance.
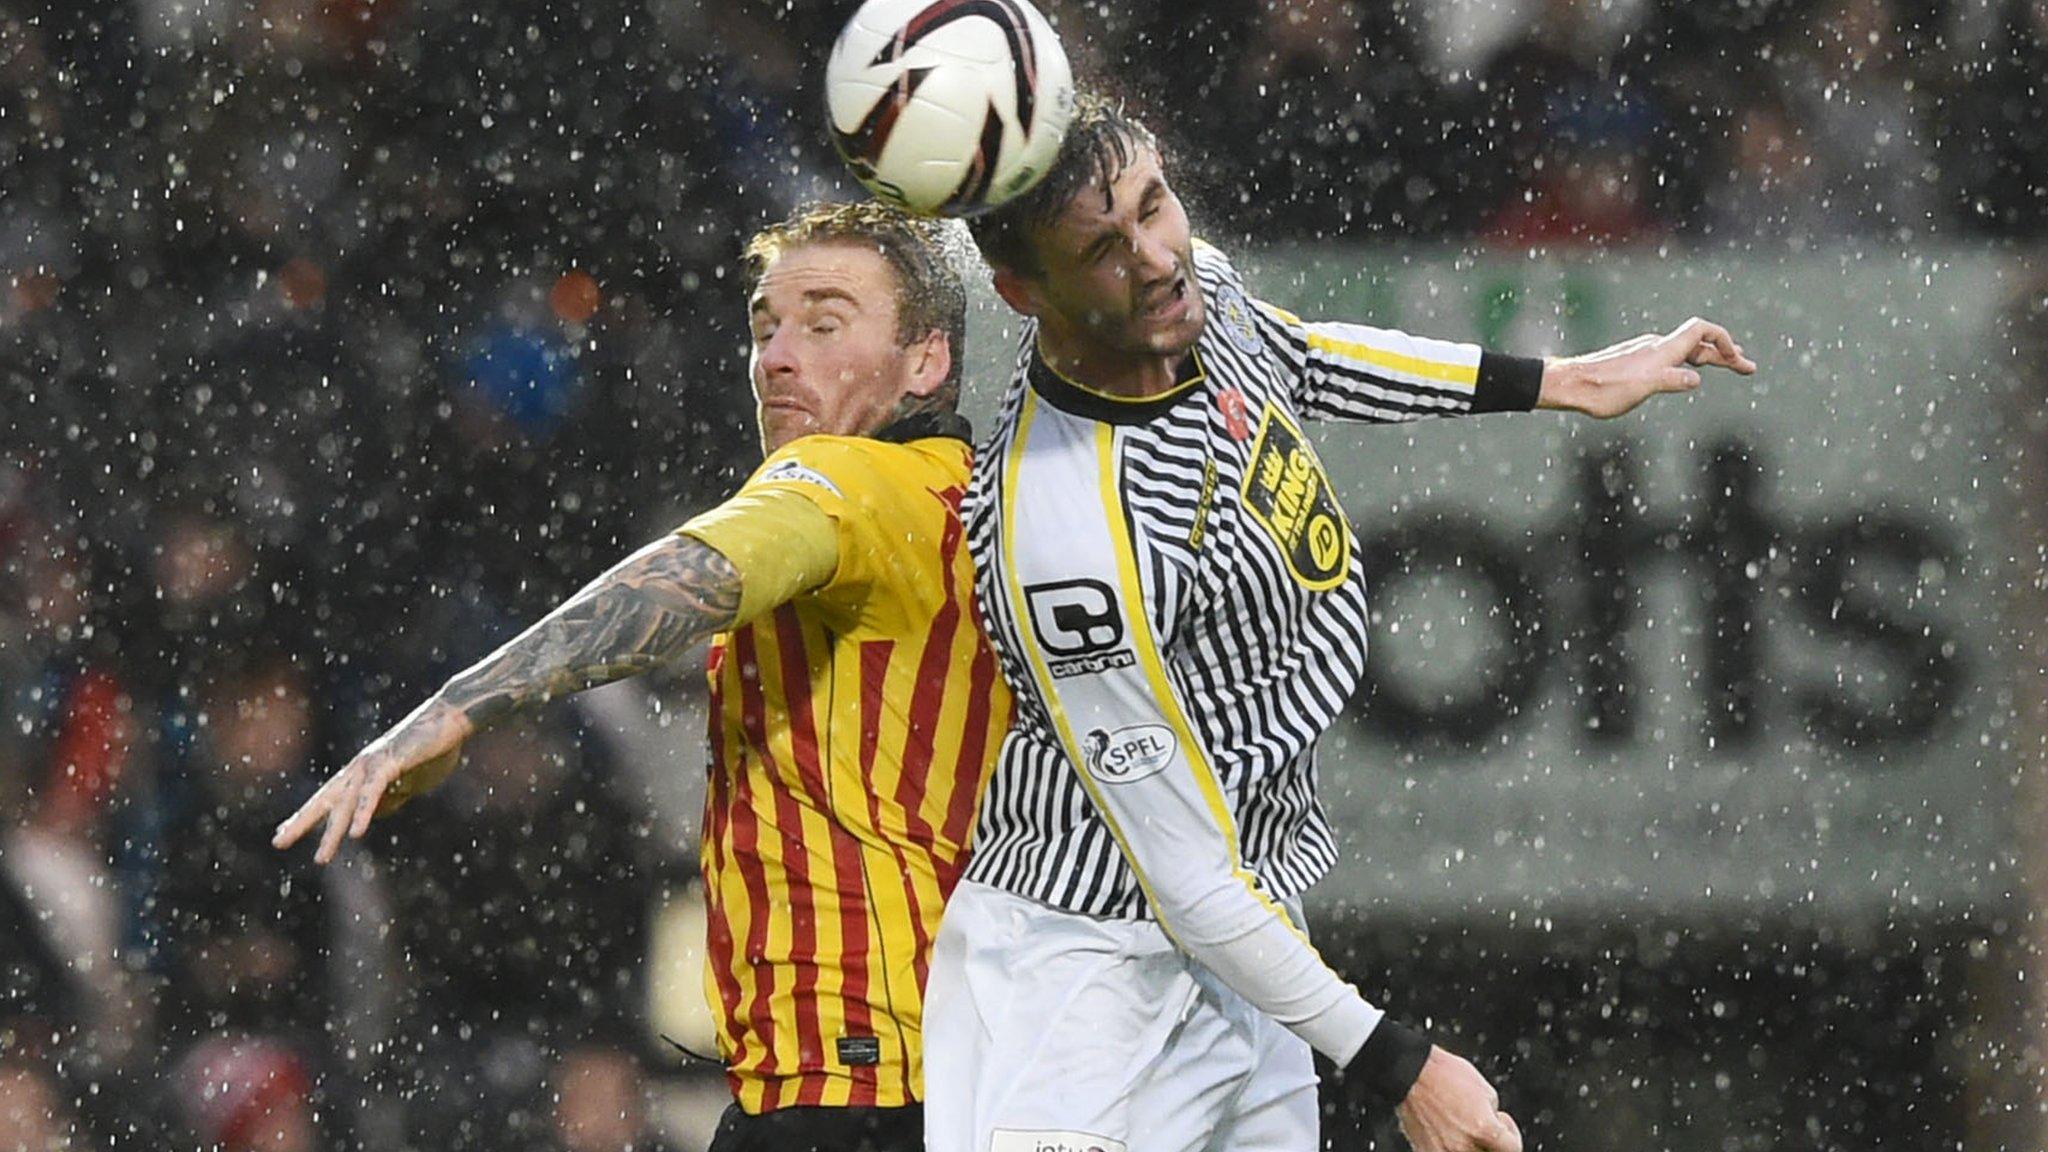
(948, 106)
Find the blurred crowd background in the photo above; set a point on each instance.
(340, 338)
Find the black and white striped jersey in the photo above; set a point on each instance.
(1171, 586)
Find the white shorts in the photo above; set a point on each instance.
(1048, 1031)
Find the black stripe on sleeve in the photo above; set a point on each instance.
(1507, 383)
(1391, 1060)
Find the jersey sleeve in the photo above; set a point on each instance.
(1103, 680)
(780, 542)
(1381, 376)
(885, 560)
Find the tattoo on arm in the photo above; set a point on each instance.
(652, 607)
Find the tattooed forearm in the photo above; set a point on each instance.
(655, 605)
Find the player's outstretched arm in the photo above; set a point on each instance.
(1614, 380)
(654, 605)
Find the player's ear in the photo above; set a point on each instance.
(931, 361)
(1018, 292)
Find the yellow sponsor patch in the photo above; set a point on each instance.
(1287, 492)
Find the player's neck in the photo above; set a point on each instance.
(1130, 375)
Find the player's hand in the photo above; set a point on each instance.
(413, 757)
(1614, 380)
(1451, 1108)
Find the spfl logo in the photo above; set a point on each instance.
(1130, 753)
(792, 470)
(1016, 1140)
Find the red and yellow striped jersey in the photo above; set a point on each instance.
(853, 728)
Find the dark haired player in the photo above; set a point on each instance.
(1169, 581)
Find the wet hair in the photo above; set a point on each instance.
(920, 251)
(1102, 140)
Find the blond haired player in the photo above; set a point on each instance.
(856, 706)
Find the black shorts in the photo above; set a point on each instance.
(822, 1130)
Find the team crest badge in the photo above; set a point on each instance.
(1234, 312)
